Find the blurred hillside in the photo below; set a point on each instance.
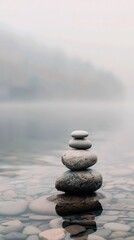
(32, 72)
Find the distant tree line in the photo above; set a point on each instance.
(31, 72)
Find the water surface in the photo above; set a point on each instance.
(33, 137)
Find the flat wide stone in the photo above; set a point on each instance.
(80, 144)
(95, 237)
(79, 182)
(42, 206)
(69, 205)
(12, 208)
(79, 159)
(31, 230)
(117, 226)
(55, 234)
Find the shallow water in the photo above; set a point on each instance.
(33, 137)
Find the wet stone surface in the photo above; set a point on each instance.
(80, 179)
(80, 144)
(79, 182)
(79, 134)
(31, 208)
(79, 159)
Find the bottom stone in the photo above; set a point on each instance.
(69, 205)
(79, 182)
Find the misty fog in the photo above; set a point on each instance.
(30, 71)
(45, 93)
(51, 76)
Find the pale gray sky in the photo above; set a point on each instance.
(101, 31)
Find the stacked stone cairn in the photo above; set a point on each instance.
(80, 178)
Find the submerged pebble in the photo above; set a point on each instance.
(107, 218)
(117, 226)
(29, 230)
(33, 237)
(15, 207)
(117, 234)
(95, 237)
(55, 223)
(15, 236)
(42, 206)
(10, 229)
(12, 223)
(53, 234)
(41, 217)
(104, 232)
(129, 238)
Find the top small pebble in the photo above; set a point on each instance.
(79, 134)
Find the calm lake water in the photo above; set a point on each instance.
(33, 136)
